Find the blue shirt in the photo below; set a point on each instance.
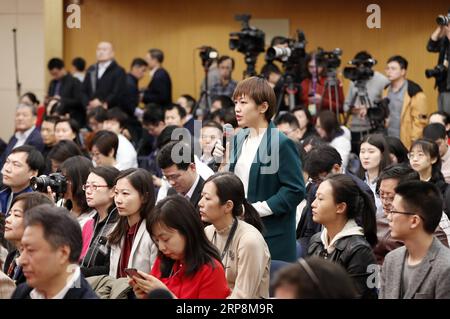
(4, 198)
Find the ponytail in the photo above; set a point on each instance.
(365, 216)
(251, 216)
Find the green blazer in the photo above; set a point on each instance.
(276, 178)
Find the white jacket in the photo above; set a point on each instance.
(142, 256)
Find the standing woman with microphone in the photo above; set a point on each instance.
(268, 164)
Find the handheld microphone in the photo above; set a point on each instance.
(228, 131)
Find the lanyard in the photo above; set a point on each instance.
(229, 239)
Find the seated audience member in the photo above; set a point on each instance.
(374, 157)
(436, 133)
(397, 151)
(420, 269)
(26, 133)
(181, 173)
(330, 131)
(131, 245)
(153, 121)
(188, 265)
(14, 228)
(425, 159)
(22, 164)
(29, 98)
(221, 102)
(442, 118)
(348, 217)
(319, 163)
(305, 122)
(313, 278)
(99, 190)
(96, 117)
(76, 170)
(187, 102)
(210, 134)
(153, 124)
(53, 236)
(389, 179)
(7, 286)
(68, 129)
(288, 124)
(48, 137)
(175, 115)
(237, 236)
(60, 152)
(66, 90)
(104, 147)
(126, 154)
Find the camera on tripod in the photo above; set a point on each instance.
(443, 20)
(208, 55)
(56, 181)
(360, 71)
(378, 114)
(331, 59)
(249, 39)
(438, 72)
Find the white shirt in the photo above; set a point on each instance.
(243, 165)
(191, 190)
(22, 137)
(343, 145)
(126, 154)
(102, 66)
(445, 168)
(71, 283)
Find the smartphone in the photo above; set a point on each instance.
(132, 272)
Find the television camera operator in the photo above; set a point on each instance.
(440, 42)
(366, 89)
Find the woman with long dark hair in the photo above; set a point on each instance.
(188, 265)
(349, 229)
(236, 232)
(131, 245)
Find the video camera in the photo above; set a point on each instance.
(208, 55)
(378, 114)
(361, 70)
(331, 59)
(56, 181)
(249, 40)
(443, 20)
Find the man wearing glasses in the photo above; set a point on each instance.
(388, 180)
(421, 268)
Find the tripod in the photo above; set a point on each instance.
(331, 85)
(250, 60)
(361, 96)
(205, 93)
(289, 87)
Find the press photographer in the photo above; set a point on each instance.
(366, 88)
(440, 42)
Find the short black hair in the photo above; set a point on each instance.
(35, 160)
(401, 173)
(157, 54)
(445, 115)
(225, 101)
(138, 62)
(165, 136)
(224, 58)
(98, 113)
(181, 110)
(400, 60)
(50, 118)
(55, 63)
(105, 141)
(165, 159)
(79, 64)
(116, 114)
(213, 124)
(435, 131)
(321, 160)
(398, 149)
(63, 150)
(190, 101)
(423, 198)
(287, 118)
(59, 227)
(278, 39)
(153, 116)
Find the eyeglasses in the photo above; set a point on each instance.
(416, 155)
(403, 213)
(93, 187)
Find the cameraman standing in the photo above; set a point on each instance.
(440, 42)
(359, 124)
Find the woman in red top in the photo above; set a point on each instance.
(315, 95)
(188, 265)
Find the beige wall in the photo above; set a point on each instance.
(179, 26)
(27, 16)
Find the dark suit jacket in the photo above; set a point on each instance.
(276, 178)
(109, 88)
(431, 281)
(196, 195)
(159, 89)
(34, 139)
(83, 292)
(70, 92)
(131, 94)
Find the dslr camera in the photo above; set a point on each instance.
(56, 181)
(360, 71)
(378, 114)
(443, 19)
(438, 72)
(331, 59)
(249, 40)
(208, 55)
(294, 51)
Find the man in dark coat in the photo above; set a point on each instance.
(159, 89)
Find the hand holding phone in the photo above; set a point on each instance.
(132, 272)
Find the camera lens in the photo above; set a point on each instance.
(442, 20)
